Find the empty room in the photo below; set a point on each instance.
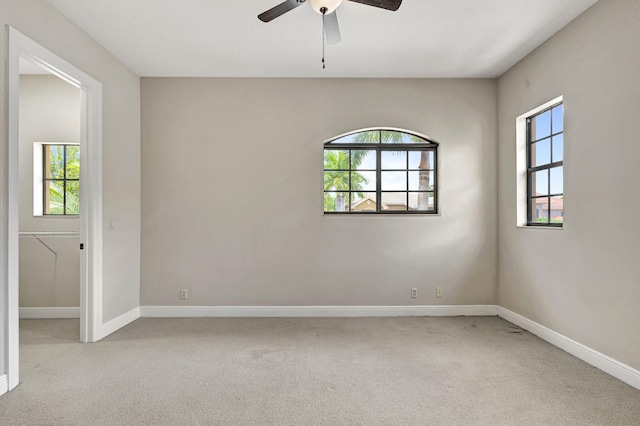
(358, 212)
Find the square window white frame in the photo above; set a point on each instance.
(38, 179)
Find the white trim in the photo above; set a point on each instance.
(38, 178)
(4, 384)
(49, 313)
(599, 360)
(316, 311)
(12, 343)
(553, 228)
(20, 46)
(391, 129)
(119, 322)
(91, 222)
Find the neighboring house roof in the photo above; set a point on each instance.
(557, 203)
(362, 200)
(393, 199)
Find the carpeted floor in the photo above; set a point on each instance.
(309, 371)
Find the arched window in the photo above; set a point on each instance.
(380, 171)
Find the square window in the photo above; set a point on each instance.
(394, 160)
(56, 179)
(393, 181)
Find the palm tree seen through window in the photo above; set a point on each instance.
(380, 171)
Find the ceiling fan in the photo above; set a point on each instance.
(327, 8)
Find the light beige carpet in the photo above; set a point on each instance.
(309, 371)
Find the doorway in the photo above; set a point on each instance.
(90, 192)
(49, 182)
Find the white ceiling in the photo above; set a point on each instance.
(424, 38)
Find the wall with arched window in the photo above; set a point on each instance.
(238, 206)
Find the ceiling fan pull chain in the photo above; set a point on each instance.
(323, 10)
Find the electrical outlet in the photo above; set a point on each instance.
(184, 294)
(414, 293)
(439, 292)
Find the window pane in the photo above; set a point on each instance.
(363, 160)
(73, 161)
(557, 210)
(363, 202)
(336, 159)
(394, 201)
(389, 136)
(541, 125)
(558, 148)
(394, 160)
(73, 197)
(557, 180)
(541, 152)
(363, 181)
(540, 209)
(541, 183)
(54, 161)
(421, 160)
(394, 181)
(54, 197)
(558, 125)
(421, 181)
(361, 137)
(422, 201)
(336, 201)
(336, 181)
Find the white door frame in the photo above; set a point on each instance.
(20, 46)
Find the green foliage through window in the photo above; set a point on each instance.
(61, 171)
(380, 171)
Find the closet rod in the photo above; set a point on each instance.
(44, 244)
(44, 233)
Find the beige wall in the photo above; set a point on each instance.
(232, 194)
(121, 139)
(581, 281)
(48, 280)
(49, 112)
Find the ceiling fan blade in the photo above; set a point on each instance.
(280, 9)
(331, 28)
(392, 5)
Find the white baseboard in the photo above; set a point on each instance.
(49, 313)
(4, 384)
(621, 371)
(316, 311)
(119, 322)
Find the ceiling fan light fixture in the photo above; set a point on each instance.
(330, 5)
